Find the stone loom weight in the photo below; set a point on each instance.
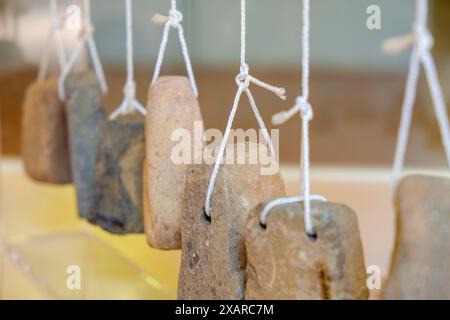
(45, 150)
(44, 147)
(85, 114)
(120, 155)
(117, 204)
(420, 261)
(213, 255)
(283, 262)
(331, 266)
(171, 106)
(421, 258)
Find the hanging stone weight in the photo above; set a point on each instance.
(213, 256)
(420, 266)
(283, 262)
(45, 150)
(85, 114)
(172, 107)
(117, 205)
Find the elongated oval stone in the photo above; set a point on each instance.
(213, 256)
(117, 206)
(45, 150)
(85, 115)
(173, 112)
(283, 262)
(420, 264)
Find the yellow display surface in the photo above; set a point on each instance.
(42, 236)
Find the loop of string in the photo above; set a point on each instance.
(421, 41)
(129, 103)
(54, 38)
(85, 39)
(243, 81)
(304, 108)
(173, 21)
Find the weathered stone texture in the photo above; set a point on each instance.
(420, 265)
(283, 262)
(45, 150)
(172, 107)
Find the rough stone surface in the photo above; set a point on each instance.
(171, 106)
(213, 256)
(45, 149)
(85, 115)
(117, 206)
(420, 265)
(283, 262)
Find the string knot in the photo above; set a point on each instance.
(423, 38)
(243, 78)
(301, 105)
(305, 108)
(87, 31)
(175, 18)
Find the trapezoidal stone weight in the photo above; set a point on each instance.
(213, 256)
(283, 262)
(85, 115)
(45, 150)
(117, 205)
(172, 109)
(420, 264)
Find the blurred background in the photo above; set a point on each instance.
(356, 90)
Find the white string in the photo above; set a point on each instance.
(53, 39)
(129, 103)
(422, 42)
(282, 201)
(243, 80)
(86, 38)
(173, 21)
(304, 108)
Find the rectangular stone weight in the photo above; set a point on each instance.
(172, 107)
(283, 262)
(45, 150)
(85, 115)
(420, 264)
(117, 206)
(213, 256)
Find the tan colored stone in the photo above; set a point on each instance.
(171, 106)
(213, 256)
(45, 151)
(420, 265)
(283, 262)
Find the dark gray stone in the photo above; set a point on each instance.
(85, 115)
(118, 193)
